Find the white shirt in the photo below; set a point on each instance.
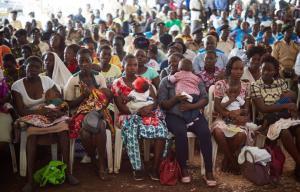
(139, 100)
(70, 91)
(44, 47)
(239, 53)
(195, 4)
(236, 105)
(19, 87)
(225, 46)
(189, 54)
(16, 24)
(297, 65)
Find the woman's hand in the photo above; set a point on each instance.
(124, 99)
(186, 106)
(86, 91)
(293, 110)
(145, 111)
(240, 120)
(180, 98)
(291, 107)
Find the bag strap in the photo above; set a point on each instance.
(251, 155)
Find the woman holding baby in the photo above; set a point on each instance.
(277, 109)
(88, 97)
(231, 103)
(144, 123)
(29, 97)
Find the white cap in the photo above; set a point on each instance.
(266, 23)
(279, 22)
(174, 28)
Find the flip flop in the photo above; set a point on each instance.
(210, 183)
(186, 179)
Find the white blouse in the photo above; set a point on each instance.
(19, 87)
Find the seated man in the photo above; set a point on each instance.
(210, 44)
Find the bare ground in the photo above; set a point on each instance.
(123, 181)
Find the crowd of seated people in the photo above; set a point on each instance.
(168, 57)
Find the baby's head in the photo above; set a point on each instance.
(233, 90)
(52, 94)
(141, 85)
(185, 65)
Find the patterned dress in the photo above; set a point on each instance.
(220, 91)
(134, 129)
(209, 79)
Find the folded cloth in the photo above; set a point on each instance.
(260, 155)
(62, 126)
(41, 121)
(275, 128)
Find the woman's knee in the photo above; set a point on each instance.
(285, 133)
(217, 133)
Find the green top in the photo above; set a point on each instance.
(170, 23)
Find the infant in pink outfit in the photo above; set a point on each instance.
(187, 83)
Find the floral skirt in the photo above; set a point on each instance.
(134, 129)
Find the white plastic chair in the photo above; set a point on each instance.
(108, 152)
(7, 139)
(13, 157)
(298, 98)
(210, 120)
(119, 144)
(23, 155)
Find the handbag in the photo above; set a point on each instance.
(256, 172)
(53, 173)
(170, 171)
(92, 120)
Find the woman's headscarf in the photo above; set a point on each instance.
(60, 74)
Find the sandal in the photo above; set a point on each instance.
(210, 183)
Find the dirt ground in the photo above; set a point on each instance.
(124, 182)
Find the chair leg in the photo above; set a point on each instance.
(23, 159)
(54, 151)
(214, 153)
(260, 140)
(118, 151)
(214, 157)
(72, 149)
(13, 157)
(146, 150)
(191, 143)
(109, 151)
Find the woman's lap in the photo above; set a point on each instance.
(177, 125)
(220, 125)
(144, 131)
